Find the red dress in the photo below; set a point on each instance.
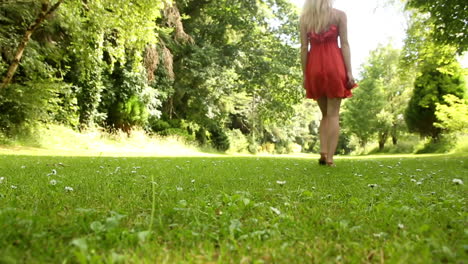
(326, 72)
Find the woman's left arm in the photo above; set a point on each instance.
(304, 46)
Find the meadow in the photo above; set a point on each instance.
(232, 209)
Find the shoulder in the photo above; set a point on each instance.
(339, 15)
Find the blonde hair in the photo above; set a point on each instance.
(316, 14)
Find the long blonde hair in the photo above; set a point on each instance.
(316, 14)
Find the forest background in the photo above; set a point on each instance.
(222, 75)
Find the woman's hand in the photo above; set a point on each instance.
(351, 82)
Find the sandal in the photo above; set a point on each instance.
(323, 159)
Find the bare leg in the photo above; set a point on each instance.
(323, 129)
(333, 126)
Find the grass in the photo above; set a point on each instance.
(232, 210)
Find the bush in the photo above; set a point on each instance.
(125, 115)
(23, 107)
(180, 132)
(219, 139)
(238, 142)
(157, 125)
(443, 145)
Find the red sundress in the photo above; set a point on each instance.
(326, 72)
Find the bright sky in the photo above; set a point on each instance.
(369, 24)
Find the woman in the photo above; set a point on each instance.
(327, 68)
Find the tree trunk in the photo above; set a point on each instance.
(394, 135)
(382, 140)
(45, 13)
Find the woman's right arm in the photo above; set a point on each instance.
(345, 50)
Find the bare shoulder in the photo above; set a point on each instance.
(340, 15)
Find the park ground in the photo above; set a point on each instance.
(61, 207)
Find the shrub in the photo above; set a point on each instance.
(219, 139)
(238, 141)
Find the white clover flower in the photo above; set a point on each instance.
(179, 189)
(418, 183)
(281, 182)
(418, 170)
(14, 187)
(2, 179)
(23, 167)
(379, 235)
(372, 185)
(192, 181)
(456, 181)
(133, 171)
(401, 226)
(413, 180)
(287, 168)
(275, 210)
(53, 182)
(68, 189)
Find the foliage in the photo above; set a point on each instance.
(429, 90)
(237, 54)
(448, 19)
(379, 100)
(452, 114)
(25, 106)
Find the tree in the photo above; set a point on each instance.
(439, 74)
(435, 82)
(453, 115)
(46, 11)
(378, 103)
(448, 18)
(236, 50)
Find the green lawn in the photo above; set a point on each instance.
(232, 210)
